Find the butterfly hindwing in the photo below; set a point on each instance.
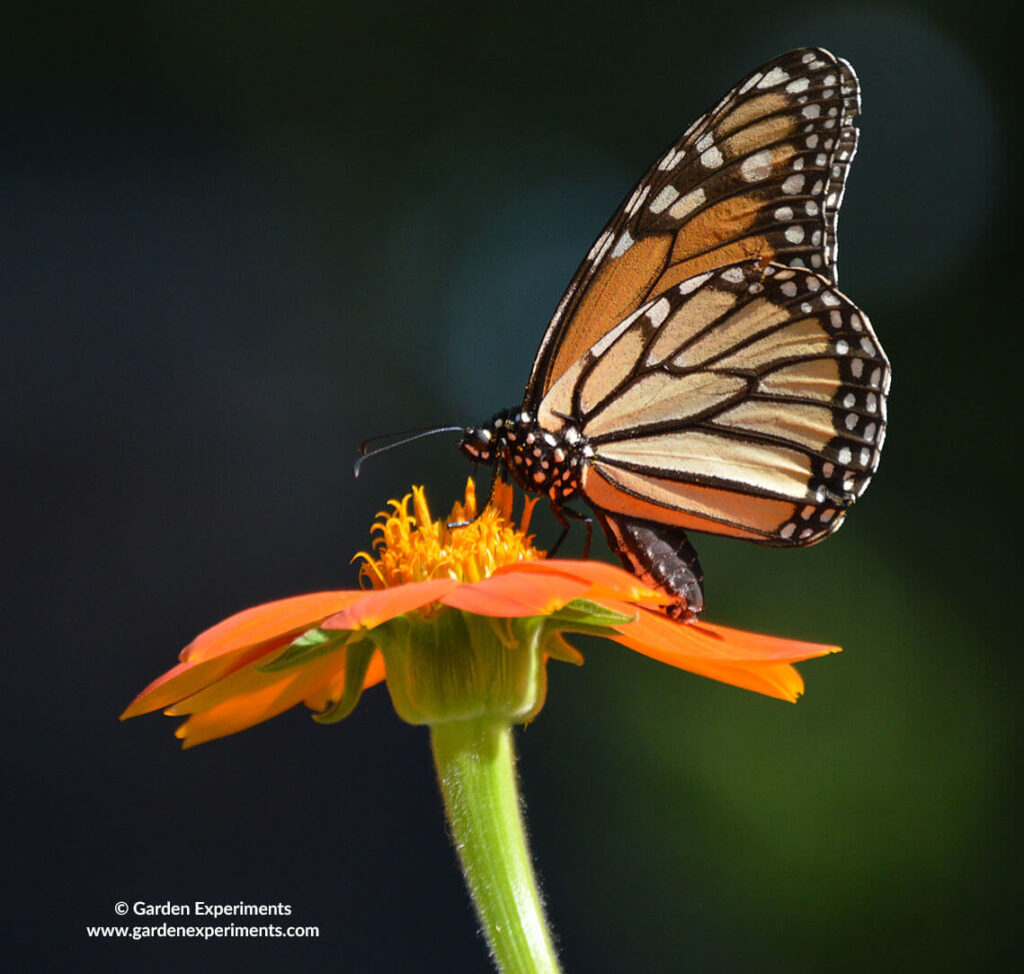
(747, 401)
(760, 176)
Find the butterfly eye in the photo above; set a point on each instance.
(477, 444)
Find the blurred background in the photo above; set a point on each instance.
(239, 238)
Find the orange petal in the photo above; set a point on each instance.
(605, 581)
(387, 603)
(513, 594)
(268, 621)
(757, 646)
(189, 677)
(250, 696)
(710, 641)
(774, 679)
(779, 680)
(743, 659)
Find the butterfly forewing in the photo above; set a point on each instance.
(760, 176)
(747, 401)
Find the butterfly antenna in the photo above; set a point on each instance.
(365, 453)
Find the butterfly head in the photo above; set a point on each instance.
(484, 443)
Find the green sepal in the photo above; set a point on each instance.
(312, 644)
(357, 660)
(582, 615)
(555, 645)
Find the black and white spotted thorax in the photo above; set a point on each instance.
(538, 460)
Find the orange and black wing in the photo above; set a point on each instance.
(747, 401)
(760, 176)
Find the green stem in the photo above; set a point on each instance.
(476, 767)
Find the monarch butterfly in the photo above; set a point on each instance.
(702, 372)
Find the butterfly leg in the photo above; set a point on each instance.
(557, 511)
(661, 556)
(562, 514)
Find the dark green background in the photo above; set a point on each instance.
(240, 238)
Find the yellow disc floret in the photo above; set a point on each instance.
(413, 547)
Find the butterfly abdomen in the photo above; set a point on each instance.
(660, 555)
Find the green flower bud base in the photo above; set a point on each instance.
(457, 666)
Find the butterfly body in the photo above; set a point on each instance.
(541, 461)
(702, 371)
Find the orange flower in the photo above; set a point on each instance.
(486, 580)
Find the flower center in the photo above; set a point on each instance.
(413, 547)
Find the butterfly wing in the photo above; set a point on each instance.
(747, 401)
(759, 176)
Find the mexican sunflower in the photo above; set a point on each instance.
(431, 584)
(459, 616)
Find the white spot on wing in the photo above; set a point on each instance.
(711, 158)
(756, 167)
(667, 195)
(639, 195)
(685, 206)
(750, 82)
(599, 245)
(774, 77)
(691, 284)
(659, 312)
(604, 343)
(670, 159)
(623, 244)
